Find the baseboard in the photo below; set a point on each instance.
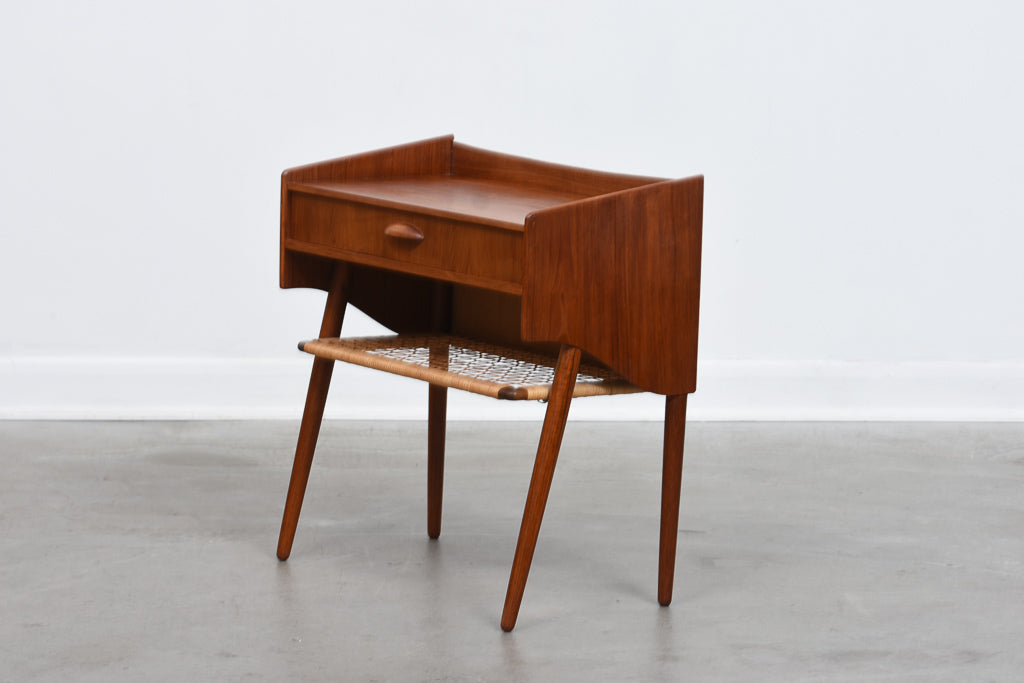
(191, 388)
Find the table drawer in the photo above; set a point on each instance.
(408, 241)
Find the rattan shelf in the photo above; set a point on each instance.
(459, 363)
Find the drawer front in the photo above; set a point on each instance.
(380, 234)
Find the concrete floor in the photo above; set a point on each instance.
(145, 551)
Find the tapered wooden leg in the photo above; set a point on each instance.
(312, 415)
(437, 408)
(543, 471)
(436, 418)
(671, 479)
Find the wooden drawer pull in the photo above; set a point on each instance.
(404, 231)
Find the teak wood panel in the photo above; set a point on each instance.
(515, 171)
(400, 302)
(456, 251)
(619, 276)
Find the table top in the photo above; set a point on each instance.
(492, 202)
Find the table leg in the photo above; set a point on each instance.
(436, 420)
(564, 382)
(312, 414)
(671, 479)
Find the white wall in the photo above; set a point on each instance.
(864, 225)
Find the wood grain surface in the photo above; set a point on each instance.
(619, 276)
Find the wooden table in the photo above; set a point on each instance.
(456, 247)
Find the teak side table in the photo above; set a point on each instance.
(504, 276)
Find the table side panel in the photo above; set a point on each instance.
(619, 277)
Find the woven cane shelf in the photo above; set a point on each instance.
(488, 369)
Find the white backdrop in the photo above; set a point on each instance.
(864, 166)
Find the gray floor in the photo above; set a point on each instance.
(145, 551)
